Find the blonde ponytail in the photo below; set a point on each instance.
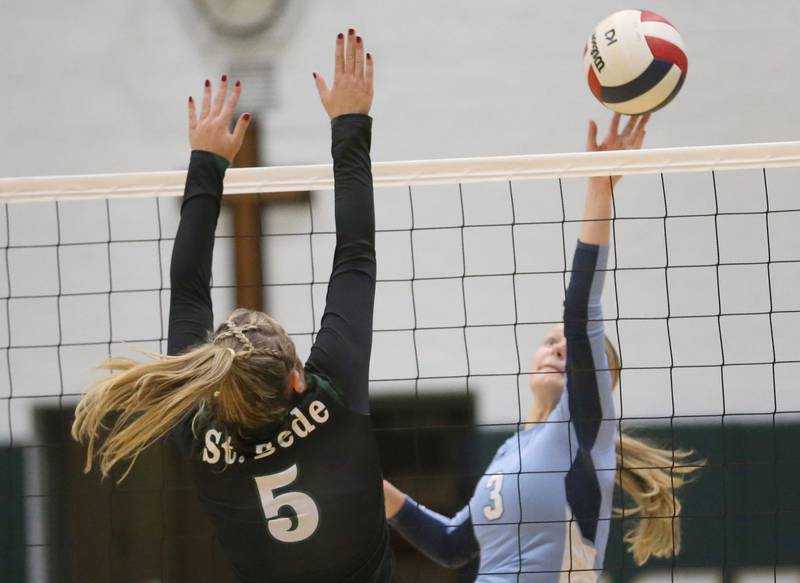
(147, 399)
(238, 379)
(650, 475)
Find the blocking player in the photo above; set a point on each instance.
(282, 453)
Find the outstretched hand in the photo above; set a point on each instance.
(352, 79)
(631, 138)
(211, 132)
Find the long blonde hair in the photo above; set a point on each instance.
(650, 475)
(237, 379)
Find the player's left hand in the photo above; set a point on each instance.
(631, 137)
(212, 131)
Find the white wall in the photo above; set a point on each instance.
(101, 87)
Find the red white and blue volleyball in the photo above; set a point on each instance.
(635, 61)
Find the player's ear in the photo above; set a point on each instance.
(296, 382)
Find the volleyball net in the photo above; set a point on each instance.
(473, 260)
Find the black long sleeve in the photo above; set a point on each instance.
(342, 349)
(190, 311)
(341, 352)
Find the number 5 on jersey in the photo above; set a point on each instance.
(494, 510)
(303, 505)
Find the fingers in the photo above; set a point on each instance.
(591, 140)
(205, 107)
(630, 125)
(192, 114)
(212, 130)
(643, 122)
(370, 72)
(640, 131)
(322, 87)
(359, 67)
(241, 129)
(339, 66)
(613, 128)
(219, 98)
(230, 104)
(351, 90)
(350, 52)
(638, 140)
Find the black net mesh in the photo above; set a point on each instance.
(700, 301)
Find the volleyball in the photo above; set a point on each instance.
(635, 61)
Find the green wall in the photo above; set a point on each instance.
(12, 525)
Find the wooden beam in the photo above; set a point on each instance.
(247, 227)
(247, 230)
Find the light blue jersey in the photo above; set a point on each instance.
(540, 513)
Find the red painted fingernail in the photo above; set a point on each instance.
(358, 39)
(208, 83)
(351, 31)
(369, 57)
(246, 117)
(340, 36)
(314, 75)
(190, 99)
(238, 83)
(224, 78)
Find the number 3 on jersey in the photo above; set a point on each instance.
(494, 510)
(303, 505)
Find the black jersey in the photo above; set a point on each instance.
(300, 500)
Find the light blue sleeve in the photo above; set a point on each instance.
(589, 382)
(588, 387)
(587, 399)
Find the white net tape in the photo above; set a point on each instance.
(461, 170)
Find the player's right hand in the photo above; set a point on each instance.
(631, 138)
(352, 80)
(211, 132)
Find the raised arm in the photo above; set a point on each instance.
(213, 147)
(589, 384)
(449, 542)
(343, 345)
(596, 227)
(588, 378)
